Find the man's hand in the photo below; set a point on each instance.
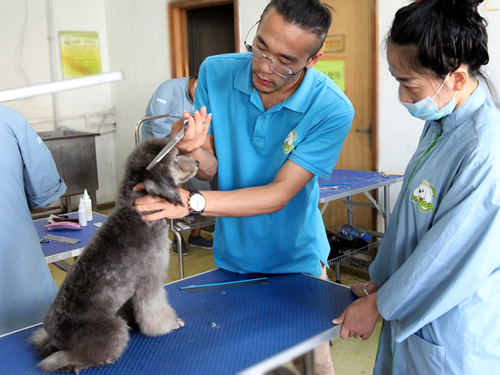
(195, 134)
(359, 319)
(165, 210)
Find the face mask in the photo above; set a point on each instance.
(427, 110)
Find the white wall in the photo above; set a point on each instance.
(249, 13)
(398, 131)
(138, 45)
(25, 59)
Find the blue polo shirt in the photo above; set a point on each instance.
(252, 144)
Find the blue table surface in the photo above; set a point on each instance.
(84, 235)
(353, 182)
(227, 330)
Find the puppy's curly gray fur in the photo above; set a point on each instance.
(119, 275)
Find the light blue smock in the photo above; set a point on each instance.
(29, 179)
(251, 146)
(439, 263)
(170, 98)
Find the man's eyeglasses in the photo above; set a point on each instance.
(258, 55)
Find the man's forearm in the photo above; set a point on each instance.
(208, 164)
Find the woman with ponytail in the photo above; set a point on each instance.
(436, 278)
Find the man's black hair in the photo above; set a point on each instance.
(311, 15)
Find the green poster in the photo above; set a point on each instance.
(335, 69)
(79, 53)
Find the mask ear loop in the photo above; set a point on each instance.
(437, 92)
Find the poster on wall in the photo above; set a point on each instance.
(334, 43)
(79, 53)
(335, 69)
(492, 5)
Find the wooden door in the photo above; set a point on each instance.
(352, 38)
(180, 33)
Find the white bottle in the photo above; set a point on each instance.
(82, 214)
(88, 205)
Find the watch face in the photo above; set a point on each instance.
(197, 202)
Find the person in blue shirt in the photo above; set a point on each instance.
(29, 180)
(174, 97)
(274, 125)
(436, 277)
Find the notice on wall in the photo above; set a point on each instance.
(334, 43)
(492, 5)
(335, 69)
(79, 53)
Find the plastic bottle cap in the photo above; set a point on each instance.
(366, 237)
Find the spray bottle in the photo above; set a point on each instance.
(82, 214)
(88, 205)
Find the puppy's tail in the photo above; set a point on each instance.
(61, 361)
(43, 343)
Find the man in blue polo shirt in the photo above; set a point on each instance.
(274, 126)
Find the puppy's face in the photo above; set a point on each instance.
(181, 167)
(167, 175)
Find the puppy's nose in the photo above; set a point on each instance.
(197, 163)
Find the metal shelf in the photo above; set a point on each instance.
(348, 257)
(197, 221)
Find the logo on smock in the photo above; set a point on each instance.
(423, 196)
(288, 144)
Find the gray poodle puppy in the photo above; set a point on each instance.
(120, 274)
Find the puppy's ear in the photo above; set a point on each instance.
(170, 195)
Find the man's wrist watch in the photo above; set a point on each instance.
(196, 202)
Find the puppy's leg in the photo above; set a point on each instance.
(92, 343)
(43, 343)
(153, 314)
(126, 312)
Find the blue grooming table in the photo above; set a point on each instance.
(344, 183)
(56, 252)
(248, 329)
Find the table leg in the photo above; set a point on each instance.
(337, 272)
(309, 363)
(349, 210)
(179, 248)
(387, 207)
(323, 209)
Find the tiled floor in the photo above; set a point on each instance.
(350, 357)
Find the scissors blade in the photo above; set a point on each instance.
(170, 145)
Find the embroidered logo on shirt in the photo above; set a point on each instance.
(288, 144)
(423, 196)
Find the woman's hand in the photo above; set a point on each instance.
(359, 319)
(360, 290)
(160, 208)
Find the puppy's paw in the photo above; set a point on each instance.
(161, 327)
(180, 323)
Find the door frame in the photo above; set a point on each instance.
(178, 31)
(375, 82)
